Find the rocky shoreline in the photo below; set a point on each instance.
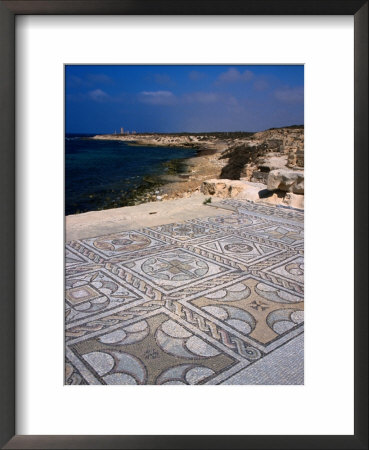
(266, 166)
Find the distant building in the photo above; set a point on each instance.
(121, 130)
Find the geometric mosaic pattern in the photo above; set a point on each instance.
(216, 300)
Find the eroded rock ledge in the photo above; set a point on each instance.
(286, 180)
(256, 192)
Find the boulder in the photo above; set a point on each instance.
(259, 177)
(222, 188)
(286, 180)
(294, 200)
(300, 158)
(284, 198)
(241, 189)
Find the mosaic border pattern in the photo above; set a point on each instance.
(215, 300)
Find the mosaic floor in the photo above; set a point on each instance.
(206, 301)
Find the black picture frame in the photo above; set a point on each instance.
(8, 12)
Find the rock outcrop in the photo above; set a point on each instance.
(286, 180)
(246, 190)
(263, 166)
(222, 188)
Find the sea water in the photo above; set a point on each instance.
(107, 174)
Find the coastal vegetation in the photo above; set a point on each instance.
(224, 164)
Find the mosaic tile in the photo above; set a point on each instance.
(216, 300)
(152, 350)
(121, 243)
(174, 269)
(253, 309)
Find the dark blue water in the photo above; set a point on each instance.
(108, 174)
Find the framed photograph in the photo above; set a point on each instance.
(158, 242)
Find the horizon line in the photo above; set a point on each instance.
(190, 132)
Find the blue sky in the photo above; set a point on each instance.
(165, 98)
